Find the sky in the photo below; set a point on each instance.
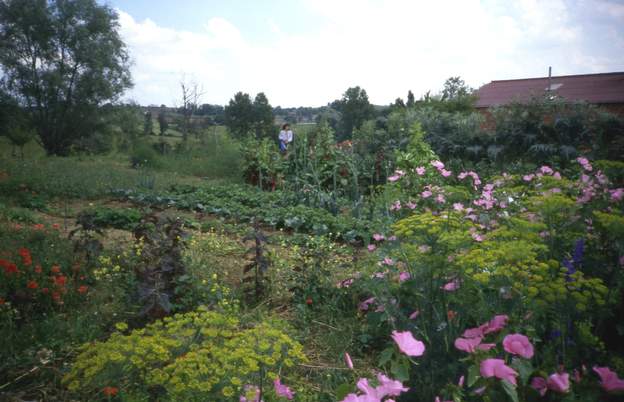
(308, 52)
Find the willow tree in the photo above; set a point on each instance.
(61, 60)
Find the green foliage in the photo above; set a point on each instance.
(262, 163)
(198, 356)
(239, 115)
(144, 155)
(118, 218)
(263, 117)
(163, 123)
(355, 109)
(62, 71)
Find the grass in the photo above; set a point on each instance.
(90, 177)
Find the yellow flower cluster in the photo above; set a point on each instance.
(107, 269)
(202, 355)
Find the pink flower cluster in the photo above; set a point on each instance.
(557, 382)
(396, 176)
(387, 387)
(440, 166)
(476, 181)
(472, 337)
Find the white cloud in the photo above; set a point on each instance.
(387, 48)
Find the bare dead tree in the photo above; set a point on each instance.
(191, 95)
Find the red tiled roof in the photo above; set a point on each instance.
(592, 88)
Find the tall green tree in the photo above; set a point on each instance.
(355, 109)
(239, 115)
(62, 60)
(457, 96)
(263, 116)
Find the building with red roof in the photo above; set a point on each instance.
(605, 90)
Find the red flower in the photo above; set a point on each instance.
(451, 314)
(83, 289)
(32, 285)
(38, 226)
(110, 391)
(56, 296)
(45, 291)
(9, 267)
(55, 269)
(60, 281)
(309, 301)
(38, 269)
(56, 226)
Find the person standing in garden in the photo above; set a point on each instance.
(285, 138)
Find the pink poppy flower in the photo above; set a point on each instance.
(460, 382)
(617, 194)
(496, 324)
(420, 170)
(559, 382)
(440, 199)
(474, 332)
(584, 163)
(395, 206)
(518, 344)
(609, 380)
(445, 173)
(539, 384)
(407, 344)
(378, 237)
(282, 390)
(546, 170)
(392, 238)
(462, 175)
(468, 345)
(386, 387)
(497, 368)
(414, 315)
(393, 178)
(388, 261)
(557, 175)
(528, 177)
(458, 206)
(410, 205)
(348, 360)
(363, 306)
(437, 164)
(403, 276)
(426, 194)
(477, 237)
(371, 247)
(451, 286)
(390, 387)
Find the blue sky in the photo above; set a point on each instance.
(307, 52)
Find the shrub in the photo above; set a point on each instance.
(143, 155)
(197, 356)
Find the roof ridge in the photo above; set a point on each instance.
(559, 76)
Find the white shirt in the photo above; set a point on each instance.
(286, 136)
